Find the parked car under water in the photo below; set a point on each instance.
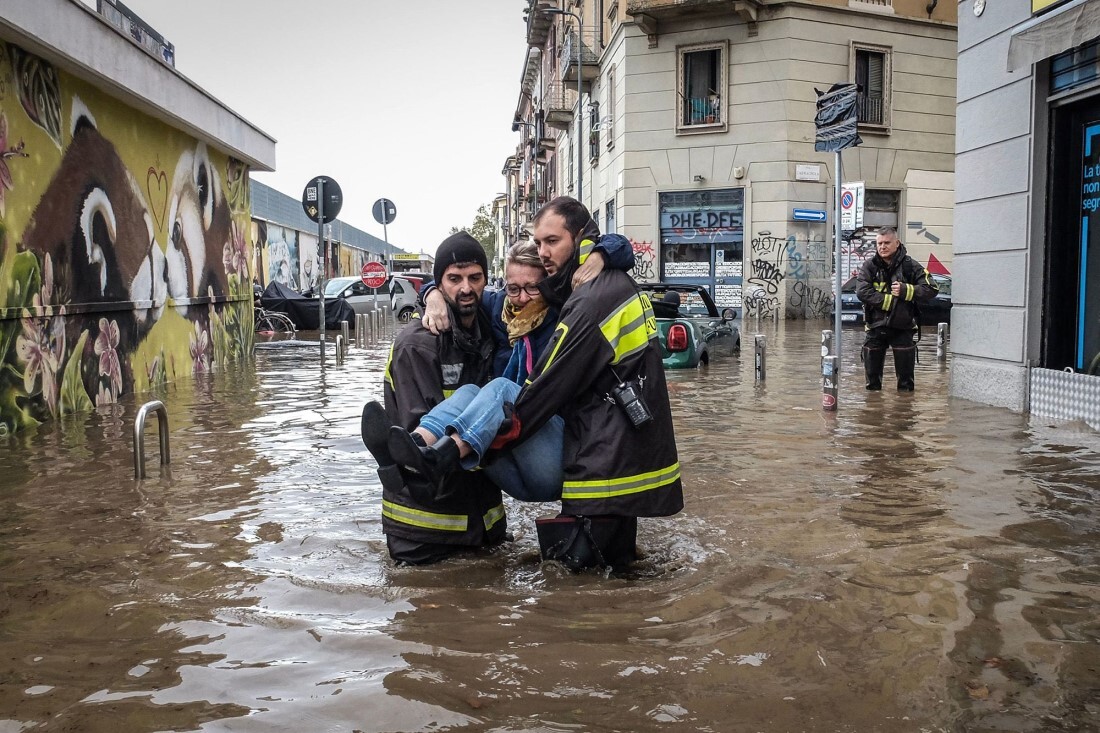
(937, 310)
(401, 299)
(693, 333)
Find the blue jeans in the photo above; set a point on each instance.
(531, 471)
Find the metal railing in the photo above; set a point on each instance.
(139, 435)
(870, 109)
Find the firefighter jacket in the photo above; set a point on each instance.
(883, 309)
(423, 370)
(607, 334)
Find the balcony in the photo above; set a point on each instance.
(669, 9)
(538, 26)
(545, 149)
(558, 103)
(590, 57)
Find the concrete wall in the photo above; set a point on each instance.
(994, 220)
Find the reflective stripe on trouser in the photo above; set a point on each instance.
(442, 522)
(608, 488)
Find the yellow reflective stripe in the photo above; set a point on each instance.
(909, 291)
(629, 327)
(448, 392)
(419, 518)
(586, 248)
(493, 516)
(389, 360)
(887, 301)
(607, 488)
(557, 345)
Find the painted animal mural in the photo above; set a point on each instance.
(114, 278)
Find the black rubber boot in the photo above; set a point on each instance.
(375, 428)
(873, 360)
(430, 464)
(905, 359)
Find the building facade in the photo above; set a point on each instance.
(696, 135)
(124, 216)
(1027, 297)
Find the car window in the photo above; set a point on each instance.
(398, 287)
(944, 284)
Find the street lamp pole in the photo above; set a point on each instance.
(580, 45)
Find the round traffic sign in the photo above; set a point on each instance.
(847, 199)
(384, 211)
(374, 274)
(333, 199)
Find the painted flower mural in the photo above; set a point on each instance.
(110, 287)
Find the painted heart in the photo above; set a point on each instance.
(156, 188)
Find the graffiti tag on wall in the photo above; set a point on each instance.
(645, 262)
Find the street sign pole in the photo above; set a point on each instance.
(839, 281)
(321, 238)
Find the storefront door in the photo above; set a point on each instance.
(1071, 312)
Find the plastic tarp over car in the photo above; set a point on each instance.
(304, 311)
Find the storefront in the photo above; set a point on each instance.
(702, 241)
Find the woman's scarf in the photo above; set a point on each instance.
(522, 321)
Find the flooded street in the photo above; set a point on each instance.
(909, 563)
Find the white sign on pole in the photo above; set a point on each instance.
(851, 206)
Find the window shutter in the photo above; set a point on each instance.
(875, 64)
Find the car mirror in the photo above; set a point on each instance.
(729, 314)
(347, 293)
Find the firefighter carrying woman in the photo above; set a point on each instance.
(578, 413)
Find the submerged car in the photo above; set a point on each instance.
(401, 300)
(937, 310)
(692, 333)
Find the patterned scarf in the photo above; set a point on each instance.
(522, 321)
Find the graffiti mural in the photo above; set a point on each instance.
(124, 248)
(282, 256)
(645, 262)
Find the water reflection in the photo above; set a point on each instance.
(908, 563)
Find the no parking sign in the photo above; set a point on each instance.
(851, 206)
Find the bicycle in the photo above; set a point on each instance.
(268, 322)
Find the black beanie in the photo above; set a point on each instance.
(459, 248)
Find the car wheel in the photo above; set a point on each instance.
(405, 315)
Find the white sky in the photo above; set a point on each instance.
(407, 99)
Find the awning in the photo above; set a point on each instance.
(1059, 30)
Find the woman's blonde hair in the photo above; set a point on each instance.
(523, 253)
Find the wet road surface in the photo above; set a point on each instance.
(909, 563)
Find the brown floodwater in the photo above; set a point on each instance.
(908, 563)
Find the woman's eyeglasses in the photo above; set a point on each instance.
(531, 289)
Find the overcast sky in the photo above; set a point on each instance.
(408, 100)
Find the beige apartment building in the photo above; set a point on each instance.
(696, 136)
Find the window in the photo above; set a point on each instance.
(609, 218)
(569, 164)
(608, 124)
(871, 69)
(881, 207)
(701, 83)
(594, 131)
(1075, 67)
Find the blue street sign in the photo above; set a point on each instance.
(808, 215)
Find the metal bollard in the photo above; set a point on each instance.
(139, 435)
(761, 349)
(344, 332)
(360, 336)
(829, 383)
(339, 348)
(941, 342)
(827, 345)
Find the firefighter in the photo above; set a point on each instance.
(891, 284)
(422, 523)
